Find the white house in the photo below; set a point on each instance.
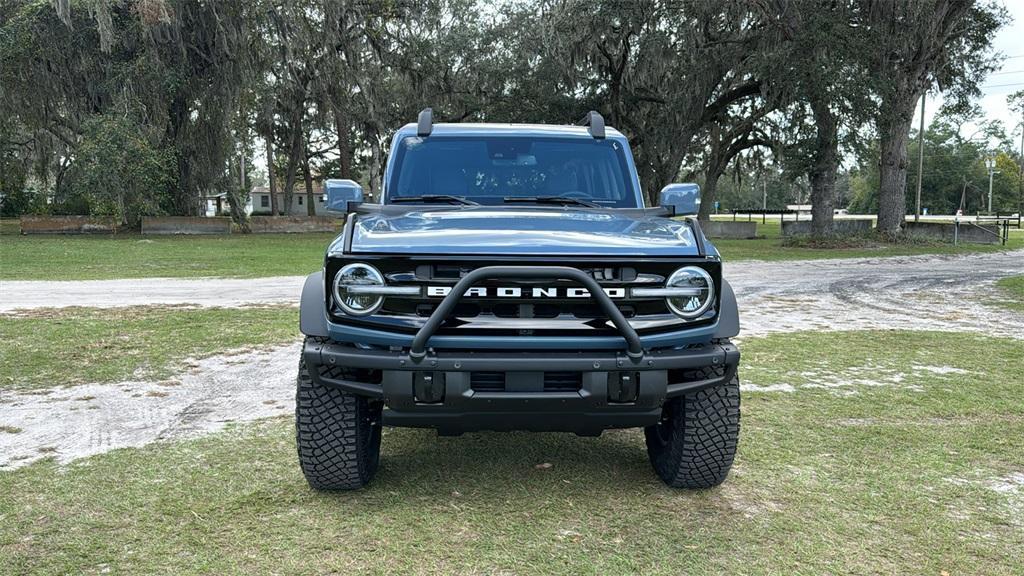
(260, 201)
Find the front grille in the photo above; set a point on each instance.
(526, 311)
(528, 315)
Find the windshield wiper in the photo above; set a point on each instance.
(434, 198)
(552, 200)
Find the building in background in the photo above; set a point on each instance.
(260, 201)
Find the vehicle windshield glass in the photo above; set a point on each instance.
(495, 170)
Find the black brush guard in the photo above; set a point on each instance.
(433, 388)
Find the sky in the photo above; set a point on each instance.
(1009, 42)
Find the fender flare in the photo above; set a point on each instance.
(313, 306)
(729, 314)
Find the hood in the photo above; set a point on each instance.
(522, 231)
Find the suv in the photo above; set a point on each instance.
(512, 279)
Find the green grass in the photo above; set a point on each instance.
(1012, 292)
(249, 256)
(910, 477)
(46, 348)
(772, 247)
(136, 256)
(9, 226)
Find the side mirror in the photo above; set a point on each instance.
(342, 194)
(682, 199)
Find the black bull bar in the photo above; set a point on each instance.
(419, 343)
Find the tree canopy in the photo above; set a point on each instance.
(135, 107)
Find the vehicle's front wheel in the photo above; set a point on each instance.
(337, 434)
(694, 444)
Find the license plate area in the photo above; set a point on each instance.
(553, 381)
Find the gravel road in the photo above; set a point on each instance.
(951, 293)
(947, 293)
(226, 292)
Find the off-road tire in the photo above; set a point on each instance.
(694, 444)
(337, 434)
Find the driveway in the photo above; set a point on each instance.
(227, 292)
(947, 293)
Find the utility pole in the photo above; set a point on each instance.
(1020, 173)
(920, 160)
(764, 194)
(963, 195)
(990, 163)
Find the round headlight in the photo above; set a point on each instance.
(352, 301)
(700, 294)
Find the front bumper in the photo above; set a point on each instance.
(440, 390)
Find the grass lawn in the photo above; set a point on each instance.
(771, 247)
(893, 453)
(9, 226)
(1012, 292)
(46, 348)
(136, 256)
(248, 256)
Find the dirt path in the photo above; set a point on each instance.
(913, 293)
(226, 292)
(949, 293)
(80, 421)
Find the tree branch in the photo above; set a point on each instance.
(728, 97)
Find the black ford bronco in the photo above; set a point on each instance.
(511, 278)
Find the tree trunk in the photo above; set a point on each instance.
(341, 126)
(184, 200)
(657, 171)
(707, 194)
(823, 172)
(892, 189)
(711, 174)
(308, 177)
(294, 151)
(238, 211)
(271, 174)
(376, 163)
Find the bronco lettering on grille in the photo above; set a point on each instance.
(537, 292)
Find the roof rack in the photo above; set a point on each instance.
(425, 122)
(594, 123)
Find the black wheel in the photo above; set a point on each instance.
(337, 434)
(694, 444)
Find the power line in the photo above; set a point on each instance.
(1002, 85)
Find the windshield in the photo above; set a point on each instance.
(494, 170)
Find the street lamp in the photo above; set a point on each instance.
(990, 163)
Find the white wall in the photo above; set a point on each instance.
(261, 204)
